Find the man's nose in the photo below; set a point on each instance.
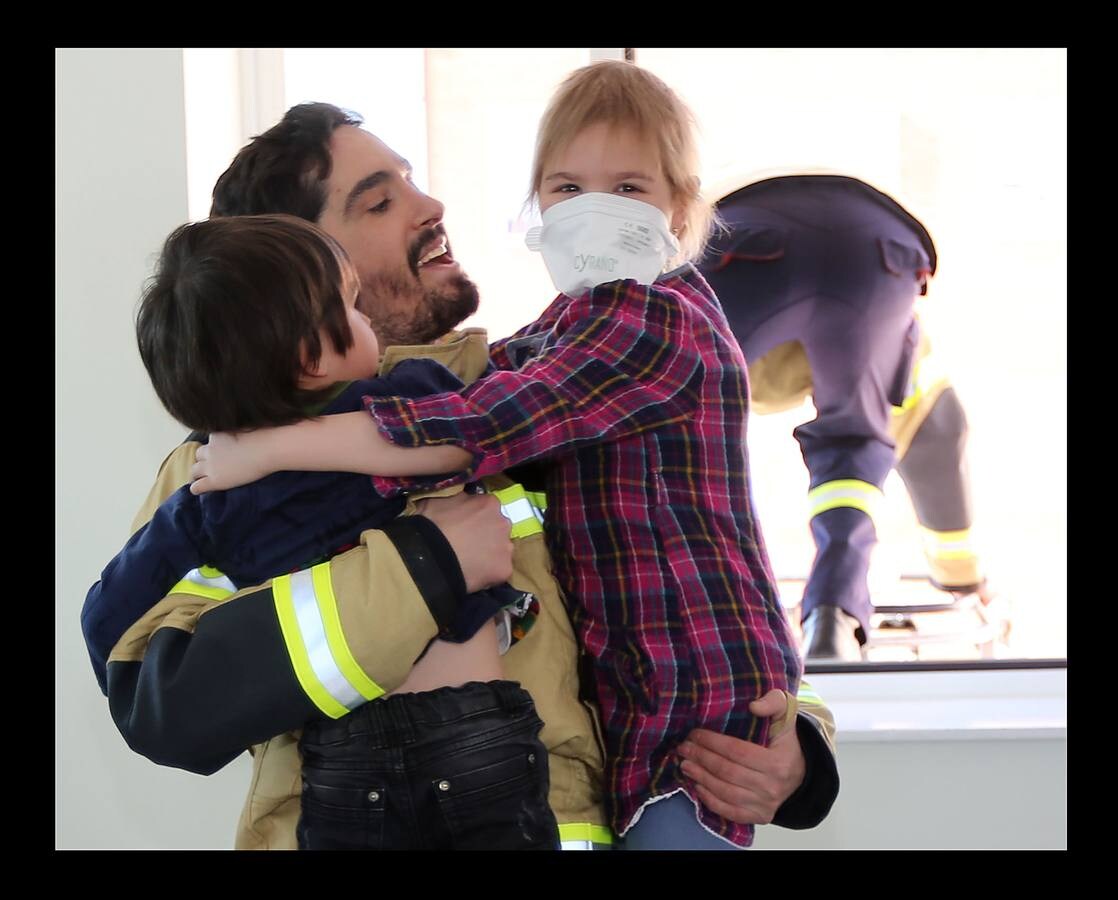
(429, 211)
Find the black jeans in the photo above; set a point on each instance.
(451, 769)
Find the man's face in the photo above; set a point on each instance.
(412, 289)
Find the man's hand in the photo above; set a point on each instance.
(742, 781)
(478, 533)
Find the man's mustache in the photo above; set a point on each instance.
(421, 243)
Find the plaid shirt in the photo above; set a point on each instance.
(638, 395)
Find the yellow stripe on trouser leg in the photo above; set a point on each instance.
(305, 642)
(584, 836)
(951, 557)
(846, 492)
(948, 544)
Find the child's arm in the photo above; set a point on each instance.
(338, 443)
(622, 359)
(157, 557)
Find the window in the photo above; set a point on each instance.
(973, 142)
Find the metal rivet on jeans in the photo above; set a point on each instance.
(373, 796)
(444, 785)
(532, 758)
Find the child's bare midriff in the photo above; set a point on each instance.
(452, 665)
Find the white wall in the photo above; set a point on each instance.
(943, 795)
(121, 186)
(120, 189)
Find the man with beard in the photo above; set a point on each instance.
(194, 682)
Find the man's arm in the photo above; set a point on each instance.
(155, 558)
(204, 677)
(206, 674)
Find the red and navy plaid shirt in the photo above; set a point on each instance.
(638, 395)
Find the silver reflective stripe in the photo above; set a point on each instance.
(221, 582)
(845, 492)
(949, 544)
(520, 511)
(579, 845)
(313, 632)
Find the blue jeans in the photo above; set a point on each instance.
(451, 769)
(671, 825)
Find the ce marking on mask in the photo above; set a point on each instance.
(635, 237)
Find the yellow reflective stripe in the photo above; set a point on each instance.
(847, 492)
(205, 582)
(807, 693)
(186, 586)
(328, 606)
(947, 536)
(300, 659)
(926, 374)
(518, 507)
(948, 544)
(538, 499)
(584, 831)
(516, 503)
(525, 528)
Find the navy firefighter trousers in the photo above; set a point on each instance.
(837, 265)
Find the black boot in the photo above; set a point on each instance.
(831, 634)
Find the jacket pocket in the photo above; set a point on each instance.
(902, 381)
(754, 244)
(903, 260)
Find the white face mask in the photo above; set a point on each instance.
(594, 238)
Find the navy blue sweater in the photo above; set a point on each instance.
(281, 523)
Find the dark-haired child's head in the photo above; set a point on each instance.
(249, 320)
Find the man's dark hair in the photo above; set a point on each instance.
(234, 310)
(283, 170)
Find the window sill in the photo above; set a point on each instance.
(977, 704)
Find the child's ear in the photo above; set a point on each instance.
(683, 204)
(314, 374)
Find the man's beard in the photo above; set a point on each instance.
(402, 311)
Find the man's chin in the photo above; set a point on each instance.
(454, 302)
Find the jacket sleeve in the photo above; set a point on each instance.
(151, 563)
(812, 801)
(206, 673)
(620, 360)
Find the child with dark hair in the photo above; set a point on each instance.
(250, 322)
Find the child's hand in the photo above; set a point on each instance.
(228, 461)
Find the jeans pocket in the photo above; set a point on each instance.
(496, 799)
(340, 815)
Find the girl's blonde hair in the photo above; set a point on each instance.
(620, 93)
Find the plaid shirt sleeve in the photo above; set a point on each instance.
(619, 360)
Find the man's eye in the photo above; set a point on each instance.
(381, 207)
